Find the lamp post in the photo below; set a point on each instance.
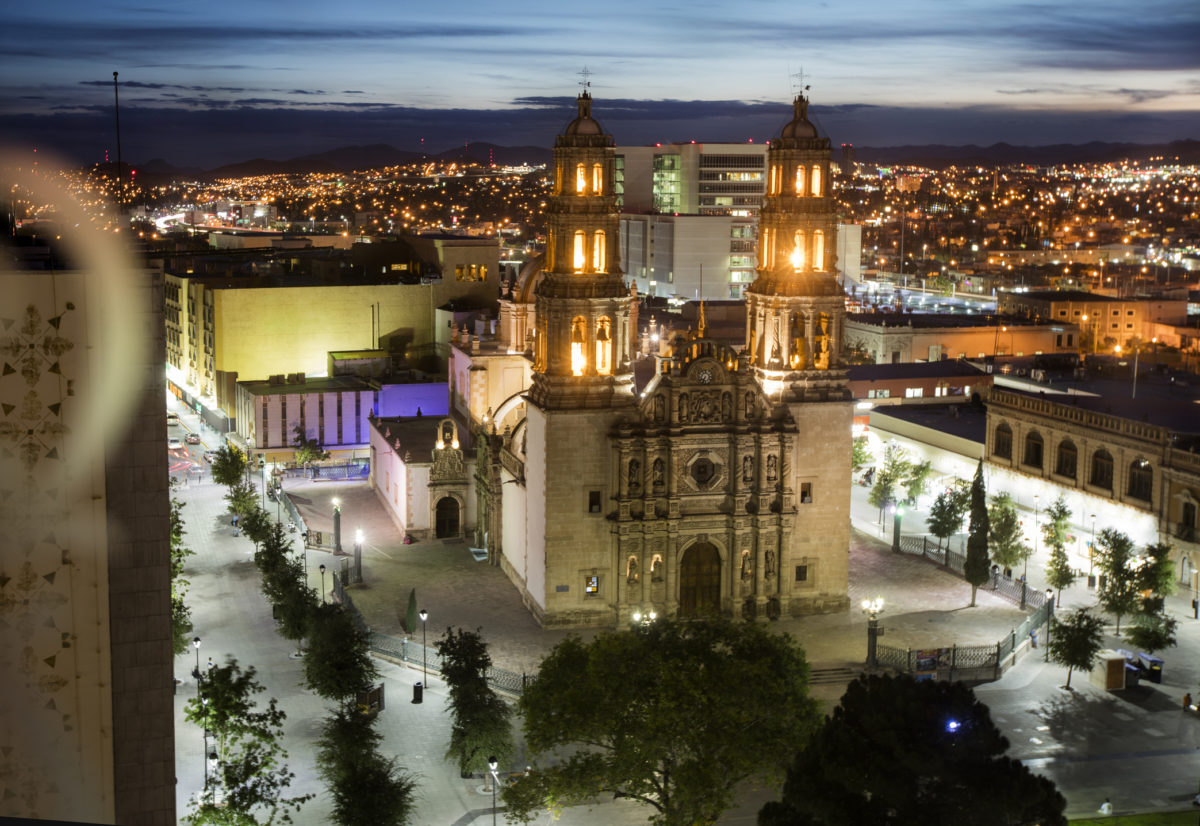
(872, 608)
(337, 526)
(1049, 622)
(322, 583)
(204, 725)
(262, 479)
(1092, 551)
(897, 515)
(644, 620)
(424, 615)
(196, 671)
(358, 543)
(493, 764)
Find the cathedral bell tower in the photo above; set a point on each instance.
(795, 309)
(582, 347)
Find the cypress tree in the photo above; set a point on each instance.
(976, 568)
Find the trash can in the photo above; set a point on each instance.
(418, 692)
(1152, 666)
(1133, 675)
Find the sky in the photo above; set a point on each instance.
(202, 84)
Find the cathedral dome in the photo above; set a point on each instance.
(584, 124)
(799, 126)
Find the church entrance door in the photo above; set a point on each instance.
(700, 580)
(446, 518)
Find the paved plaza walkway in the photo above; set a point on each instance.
(1136, 747)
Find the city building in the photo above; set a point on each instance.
(86, 660)
(263, 313)
(935, 382)
(896, 338)
(691, 178)
(699, 479)
(1102, 319)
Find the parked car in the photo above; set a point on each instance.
(174, 444)
(192, 438)
(172, 419)
(210, 456)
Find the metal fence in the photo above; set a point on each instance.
(343, 470)
(972, 663)
(1016, 591)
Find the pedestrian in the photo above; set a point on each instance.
(1187, 701)
(1106, 807)
(1033, 638)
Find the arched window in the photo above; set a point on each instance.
(579, 258)
(766, 248)
(798, 250)
(604, 345)
(580, 179)
(818, 262)
(598, 252)
(578, 341)
(597, 179)
(816, 181)
(1068, 457)
(799, 179)
(1033, 450)
(1002, 443)
(1102, 470)
(1141, 480)
(773, 184)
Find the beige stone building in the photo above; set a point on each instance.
(1102, 319)
(1133, 464)
(889, 338)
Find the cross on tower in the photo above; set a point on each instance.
(799, 76)
(585, 74)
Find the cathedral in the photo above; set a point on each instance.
(711, 476)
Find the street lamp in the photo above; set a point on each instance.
(872, 608)
(337, 526)
(196, 671)
(493, 764)
(424, 615)
(322, 583)
(204, 725)
(262, 479)
(897, 514)
(645, 619)
(358, 543)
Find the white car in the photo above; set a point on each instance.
(174, 444)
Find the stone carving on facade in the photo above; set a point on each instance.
(659, 408)
(635, 477)
(769, 564)
(631, 570)
(747, 469)
(656, 568)
(747, 566)
(706, 407)
(726, 407)
(658, 469)
(750, 407)
(772, 468)
(683, 407)
(448, 465)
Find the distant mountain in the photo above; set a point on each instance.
(1003, 154)
(377, 156)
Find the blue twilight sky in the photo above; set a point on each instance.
(204, 83)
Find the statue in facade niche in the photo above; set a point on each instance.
(635, 477)
(772, 468)
(631, 575)
(769, 567)
(747, 469)
(747, 566)
(658, 469)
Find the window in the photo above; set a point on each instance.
(593, 501)
(1033, 450)
(818, 260)
(460, 272)
(578, 354)
(799, 180)
(1102, 470)
(816, 180)
(806, 493)
(703, 470)
(1141, 480)
(1067, 458)
(802, 573)
(578, 258)
(580, 179)
(591, 586)
(914, 392)
(798, 250)
(597, 179)
(603, 346)
(598, 262)
(1002, 444)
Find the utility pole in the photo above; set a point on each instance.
(117, 116)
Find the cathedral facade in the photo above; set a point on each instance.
(719, 481)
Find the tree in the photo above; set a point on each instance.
(337, 665)
(945, 516)
(1119, 593)
(915, 481)
(181, 615)
(366, 787)
(1006, 539)
(228, 465)
(676, 715)
(975, 569)
(1152, 631)
(256, 524)
(1156, 575)
(245, 782)
(860, 453)
(1059, 572)
(242, 498)
(898, 751)
(307, 450)
(1075, 641)
(479, 718)
(891, 473)
(225, 705)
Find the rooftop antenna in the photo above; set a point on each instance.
(117, 115)
(797, 81)
(585, 82)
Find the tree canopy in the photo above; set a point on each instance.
(1074, 641)
(307, 450)
(337, 665)
(898, 751)
(1006, 539)
(480, 719)
(228, 465)
(366, 788)
(1120, 591)
(674, 714)
(975, 569)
